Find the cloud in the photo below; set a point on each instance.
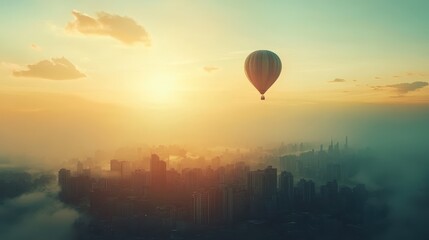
(210, 69)
(405, 200)
(35, 214)
(54, 69)
(36, 47)
(338, 80)
(377, 88)
(403, 88)
(403, 75)
(11, 66)
(124, 29)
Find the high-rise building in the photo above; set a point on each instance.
(270, 181)
(192, 178)
(206, 206)
(64, 177)
(79, 167)
(234, 203)
(262, 187)
(346, 145)
(215, 162)
(200, 204)
(215, 205)
(125, 169)
(228, 205)
(286, 185)
(331, 146)
(329, 193)
(115, 166)
(120, 168)
(86, 172)
(240, 174)
(337, 148)
(158, 172)
(138, 181)
(263, 182)
(256, 182)
(305, 191)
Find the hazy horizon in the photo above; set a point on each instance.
(81, 78)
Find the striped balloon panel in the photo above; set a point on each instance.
(262, 68)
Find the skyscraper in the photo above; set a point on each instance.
(263, 182)
(305, 191)
(158, 172)
(234, 203)
(270, 181)
(346, 145)
(64, 177)
(256, 182)
(79, 167)
(286, 185)
(262, 186)
(329, 193)
(115, 165)
(200, 204)
(120, 168)
(125, 169)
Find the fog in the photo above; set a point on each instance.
(29, 208)
(36, 215)
(54, 127)
(397, 136)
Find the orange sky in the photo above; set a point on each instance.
(83, 75)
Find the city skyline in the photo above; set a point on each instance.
(215, 119)
(186, 201)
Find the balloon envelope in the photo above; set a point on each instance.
(262, 68)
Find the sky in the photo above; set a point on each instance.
(78, 75)
(82, 75)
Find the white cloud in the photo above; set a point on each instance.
(54, 69)
(124, 29)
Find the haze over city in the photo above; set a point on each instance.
(85, 83)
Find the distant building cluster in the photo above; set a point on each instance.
(164, 198)
(321, 165)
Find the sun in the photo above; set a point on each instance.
(161, 88)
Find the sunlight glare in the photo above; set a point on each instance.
(161, 88)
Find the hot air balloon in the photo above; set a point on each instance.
(262, 68)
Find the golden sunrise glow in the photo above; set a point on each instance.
(161, 88)
(111, 73)
(214, 119)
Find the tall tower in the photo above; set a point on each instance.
(158, 172)
(270, 182)
(286, 184)
(331, 146)
(79, 167)
(115, 166)
(200, 204)
(64, 177)
(347, 143)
